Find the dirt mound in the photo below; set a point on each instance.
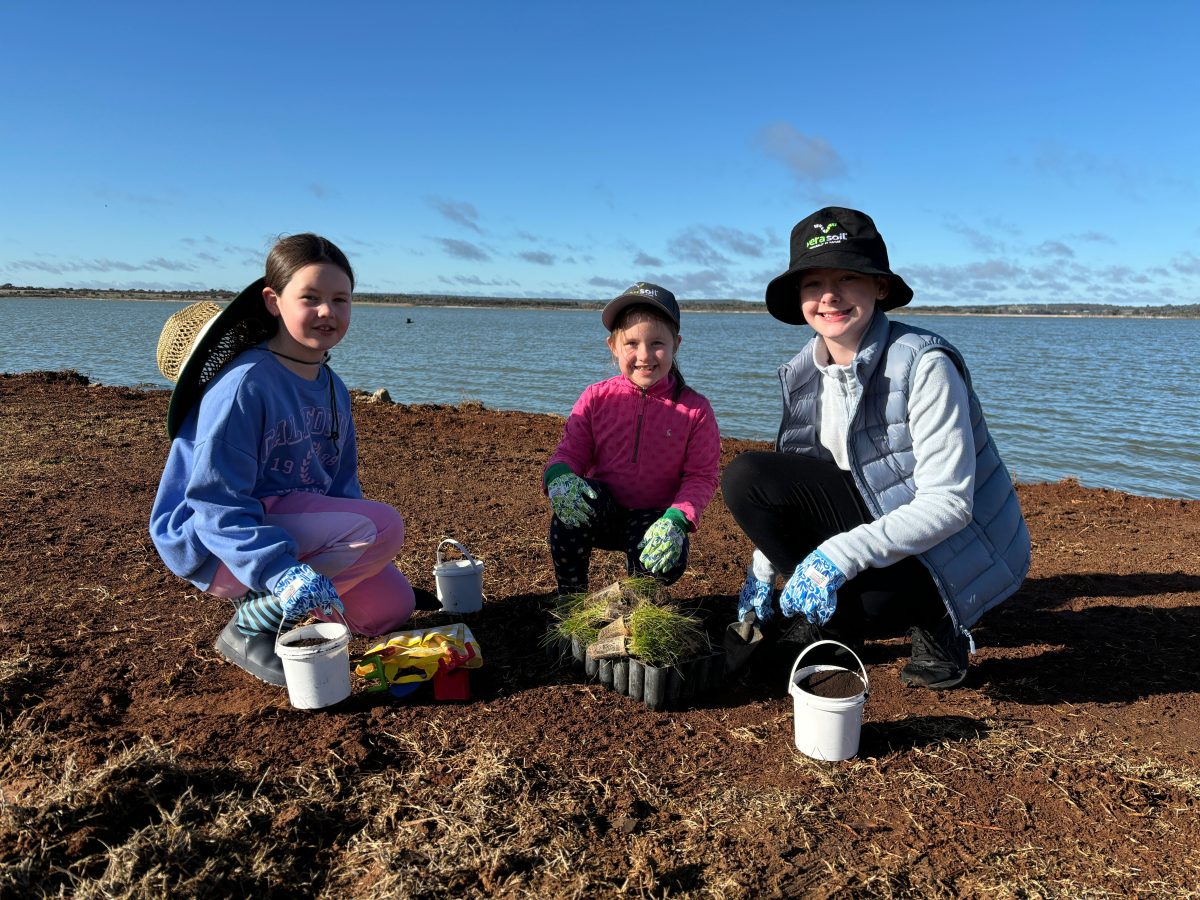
(134, 760)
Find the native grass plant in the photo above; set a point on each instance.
(663, 635)
(633, 612)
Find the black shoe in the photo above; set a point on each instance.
(939, 657)
(255, 654)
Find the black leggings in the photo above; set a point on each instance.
(789, 504)
(613, 528)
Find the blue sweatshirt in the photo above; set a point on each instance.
(259, 430)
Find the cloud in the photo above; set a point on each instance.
(645, 260)
(1094, 237)
(705, 283)
(1053, 248)
(474, 281)
(138, 285)
(707, 245)
(811, 160)
(1188, 264)
(110, 196)
(979, 240)
(691, 246)
(740, 242)
(611, 283)
(540, 257)
(103, 265)
(457, 211)
(463, 250)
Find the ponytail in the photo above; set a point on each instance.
(680, 384)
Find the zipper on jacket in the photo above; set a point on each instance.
(637, 434)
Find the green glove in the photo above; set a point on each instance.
(663, 542)
(569, 495)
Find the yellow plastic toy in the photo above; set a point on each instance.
(410, 657)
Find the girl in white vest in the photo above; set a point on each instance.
(885, 504)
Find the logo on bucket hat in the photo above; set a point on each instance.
(848, 240)
(641, 293)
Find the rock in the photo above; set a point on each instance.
(381, 396)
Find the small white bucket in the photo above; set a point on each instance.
(317, 674)
(827, 728)
(459, 581)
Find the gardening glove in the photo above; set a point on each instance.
(663, 542)
(755, 599)
(302, 589)
(812, 589)
(569, 495)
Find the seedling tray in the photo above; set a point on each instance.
(659, 687)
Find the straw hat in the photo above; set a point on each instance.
(199, 340)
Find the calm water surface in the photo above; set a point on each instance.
(1108, 401)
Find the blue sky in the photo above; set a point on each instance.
(1008, 152)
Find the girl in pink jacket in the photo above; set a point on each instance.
(640, 454)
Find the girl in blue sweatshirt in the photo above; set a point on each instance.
(260, 500)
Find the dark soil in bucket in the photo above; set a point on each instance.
(833, 685)
(134, 761)
(307, 642)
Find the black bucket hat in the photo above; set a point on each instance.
(641, 294)
(200, 340)
(833, 238)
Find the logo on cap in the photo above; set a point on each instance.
(642, 288)
(825, 237)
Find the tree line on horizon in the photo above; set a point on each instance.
(1182, 311)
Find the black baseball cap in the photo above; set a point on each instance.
(643, 293)
(833, 238)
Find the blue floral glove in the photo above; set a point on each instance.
(755, 597)
(663, 542)
(302, 589)
(812, 589)
(569, 495)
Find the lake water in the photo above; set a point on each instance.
(1108, 401)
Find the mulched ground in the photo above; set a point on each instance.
(1094, 659)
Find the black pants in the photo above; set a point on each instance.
(612, 528)
(789, 504)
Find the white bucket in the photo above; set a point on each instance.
(459, 581)
(319, 674)
(827, 728)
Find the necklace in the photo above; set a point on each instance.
(303, 362)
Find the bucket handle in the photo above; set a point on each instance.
(333, 616)
(461, 549)
(862, 668)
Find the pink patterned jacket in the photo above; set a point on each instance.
(651, 451)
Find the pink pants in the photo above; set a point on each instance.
(352, 542)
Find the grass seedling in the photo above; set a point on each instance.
(581, 617)
(663, 635)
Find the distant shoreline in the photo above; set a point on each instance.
(418, 301)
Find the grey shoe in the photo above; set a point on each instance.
(255, 654)
(939, 657)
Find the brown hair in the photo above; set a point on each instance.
(643, 312)
(292, 253)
